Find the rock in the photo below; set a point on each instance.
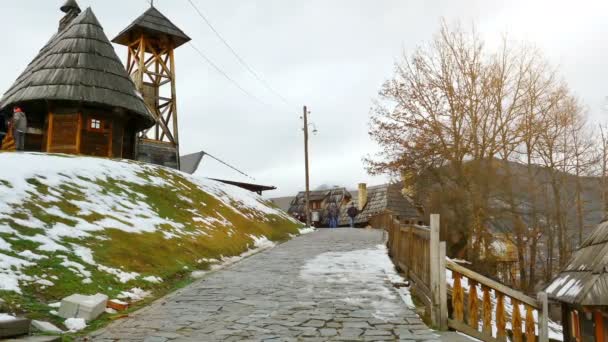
(86, 307)
(14, 327)
(45, 327)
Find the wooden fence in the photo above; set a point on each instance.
(480, 307)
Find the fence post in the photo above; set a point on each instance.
(543, 318)
(443, 291)
(434, 268)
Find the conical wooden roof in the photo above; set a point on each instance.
(79, 64)
(152, 22)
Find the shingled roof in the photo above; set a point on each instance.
(154, 22)
(79, 64)
(381, 198)
(584, 280)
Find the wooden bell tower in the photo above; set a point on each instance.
(151, 41)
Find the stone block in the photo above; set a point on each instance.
(45, 327)
(86, 307)
(14, 327)
(35, 339)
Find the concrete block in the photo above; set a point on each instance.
(36, 339)
(86, 307)
(45, 327)
(14, 327)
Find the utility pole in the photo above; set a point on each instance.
(306, 166)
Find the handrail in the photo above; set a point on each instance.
(492, 284)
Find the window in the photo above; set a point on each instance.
(95, 125)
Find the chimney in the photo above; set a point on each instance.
(71, 10)
(362, 196)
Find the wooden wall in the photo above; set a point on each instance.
(88, 132)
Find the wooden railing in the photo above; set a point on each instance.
(485, 299)
(409, 247)
(481, 307)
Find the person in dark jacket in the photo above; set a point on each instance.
(19, 128)
(352, 213)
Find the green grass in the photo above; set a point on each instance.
(145, 253)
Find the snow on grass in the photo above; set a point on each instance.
(307, 230)
(73, 224)
(11, 273)
(371, 267)
(75, 324)
(153, 279)
(134, 295)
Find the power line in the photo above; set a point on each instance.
(238, 57)
(218, 69)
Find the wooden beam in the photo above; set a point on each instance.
(49, 135)
(79, 133)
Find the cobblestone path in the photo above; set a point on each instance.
(325, 286)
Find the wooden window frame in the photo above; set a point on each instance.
(91, 121)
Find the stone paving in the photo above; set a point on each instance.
(266, 297)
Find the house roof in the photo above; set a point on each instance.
(190, 162)
(79, 64)
(335, 195)
(380, 198)
(153, 23)
(584, 280)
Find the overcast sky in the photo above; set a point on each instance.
(331, 55)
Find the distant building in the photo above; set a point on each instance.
(320, 201)
(377, 201)
(582, 289)
(77, 95)
(372, 202)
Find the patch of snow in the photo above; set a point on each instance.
(6, 317)
(45, 282)
(123, 277)
(29, 255)
(55, 305)
(307, 230)
(11, 273)
(135, 294)
(198, 274)
(262, 242)
(5, 245)
(75, 324)
(110, 311)
(153, 279)
(84, 253)
(77, 268)
(372, 267)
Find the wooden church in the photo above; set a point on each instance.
(80, 99)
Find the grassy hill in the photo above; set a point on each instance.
(90, 225)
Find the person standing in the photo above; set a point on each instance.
(333, 215)
(352, 213)
(19, 128)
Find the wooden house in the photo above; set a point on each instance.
(582, 290)
(78, 96)
(376, 203)
(320, 201)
